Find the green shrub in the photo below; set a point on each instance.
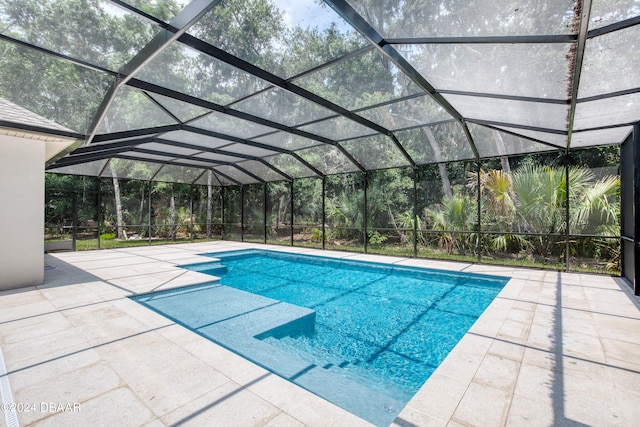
(375, 238)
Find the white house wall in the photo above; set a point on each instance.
(21, 212)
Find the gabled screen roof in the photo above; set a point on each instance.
(261, 90)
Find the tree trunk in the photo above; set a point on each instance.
(283, 207)
(442, 168)
(376, 14)
(172, 215)
(119, 222)
(121, 234)
(209, 202)
(502, 150)
(141, 215)
(392, 219)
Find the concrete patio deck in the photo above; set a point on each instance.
(552, 349)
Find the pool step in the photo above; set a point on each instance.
(214, 268)
(349, 370)
(341, 381)
(304, 325)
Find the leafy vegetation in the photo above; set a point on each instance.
(523, 216)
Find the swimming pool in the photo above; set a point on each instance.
(363, 335)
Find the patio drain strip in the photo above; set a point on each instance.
(6, 398)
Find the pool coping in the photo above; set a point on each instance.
(513, 366)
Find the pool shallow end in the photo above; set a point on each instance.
(243, 322)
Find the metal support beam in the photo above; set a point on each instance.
(246, 172)
(197, 178)
(626, 207)
(188, 157)
(364, 210)
(404, 152)
(150, 18)
(74, 218)
(149, 212)
(222, 206)
(629, 91)
(292, 213)
(191, 212)
(84, 158)
(264, 187)
(242, 213)
(119, 147)
(353, 54)
(104, 146)
(324, 211)
(345, 10)
(516, 126)
(472, 144)
(39, 129)
(556, 101)
(259, 120)
(621, 25)
(585, 12)
(636, 210)
(307, 164)
(479, 201)
(66, 58)
(137, 132)
(230, 138)
(517, 135)
(172, 162)
(177, 27)
(149, 87)
(554, 38)
(106, 166)
(415, 212)
(163, 108)
(275, 169)
(566, 207)
(276, 81)
(99, 208)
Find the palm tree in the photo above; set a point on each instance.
(458, 213)
(542, 197)
(541, 194)
(404, 226)
(496, 189)
(597, 208)
(346, 215)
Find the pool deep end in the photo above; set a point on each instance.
(304, 344)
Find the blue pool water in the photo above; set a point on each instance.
(363, 335)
